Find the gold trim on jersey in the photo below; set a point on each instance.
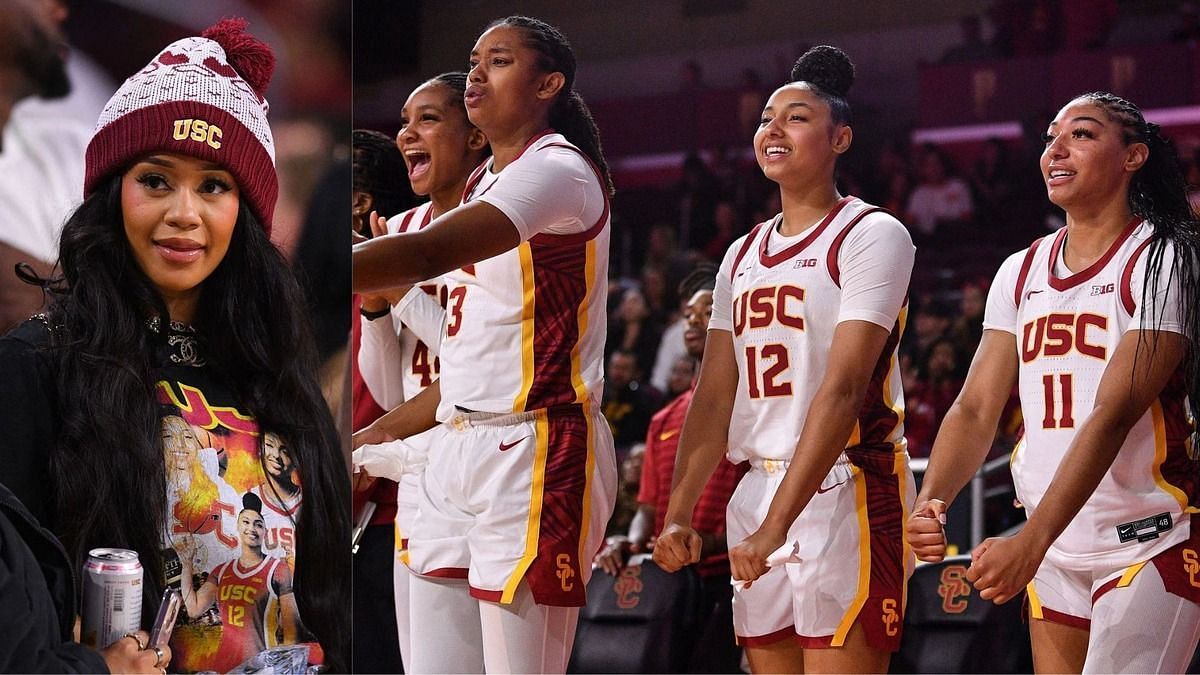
(1160, 456)
(589, 271)
(1129, 573)
(401, 549)
(528, 298)
(533, 526)
(1035, 603)
(588, 466)
(864, 560)
(908, 562)
(893, 366)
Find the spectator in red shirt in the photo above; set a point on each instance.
(715, 650)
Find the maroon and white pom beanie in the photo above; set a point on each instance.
(201, 97)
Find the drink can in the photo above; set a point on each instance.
(112, 596)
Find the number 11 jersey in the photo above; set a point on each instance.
(1067, 326)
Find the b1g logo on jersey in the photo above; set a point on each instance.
(761, 307)
(628, 587)
(952, 587)
(805, 262)
(1058, 333)
(199, 131)
(1103, 289)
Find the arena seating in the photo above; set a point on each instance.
(640, 621)
(948, 628)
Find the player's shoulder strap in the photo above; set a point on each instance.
(831, 257)
(1026, 264)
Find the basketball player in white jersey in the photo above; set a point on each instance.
(521, 473)
(1096, 325)
(807, 314)
(440, 147)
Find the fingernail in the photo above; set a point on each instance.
(942, 518)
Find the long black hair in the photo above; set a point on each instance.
(107, 466)
(1158, 194)
(378, 166)
(569, 115)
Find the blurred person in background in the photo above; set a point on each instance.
(41, 157)
(682, 375)
(633, 328)
(940, 199)
(628, 403)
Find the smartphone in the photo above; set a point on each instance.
(164, 622)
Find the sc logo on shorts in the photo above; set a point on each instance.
(891, 619)
(1191, 565)
(565, 571)
(199, 131)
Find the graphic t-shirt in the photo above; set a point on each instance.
(232, 504)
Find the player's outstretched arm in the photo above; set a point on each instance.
(963, 440)
(410, 418)
(462, 236)
(702, 443)
(1140, 368)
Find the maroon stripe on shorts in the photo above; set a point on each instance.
(1055, 616)
(882, 615)
(556, 574)
(445, 573)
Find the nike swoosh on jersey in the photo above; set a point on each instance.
(1032, 291)
(667, 434)
(508, 446)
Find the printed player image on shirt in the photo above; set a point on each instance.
(230, 530)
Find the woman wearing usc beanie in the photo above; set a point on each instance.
(172, 301)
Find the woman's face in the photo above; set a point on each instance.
(796, 141)
(438, 142)
(278, 457)
(179, 215)
(505, 83)
(179, 443)
(251, 528)
(1086, 162)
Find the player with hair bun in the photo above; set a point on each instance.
(799, 378)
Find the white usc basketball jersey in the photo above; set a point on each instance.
(395, 364)
(782, 300)
(525, 329)
(1067, 326)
